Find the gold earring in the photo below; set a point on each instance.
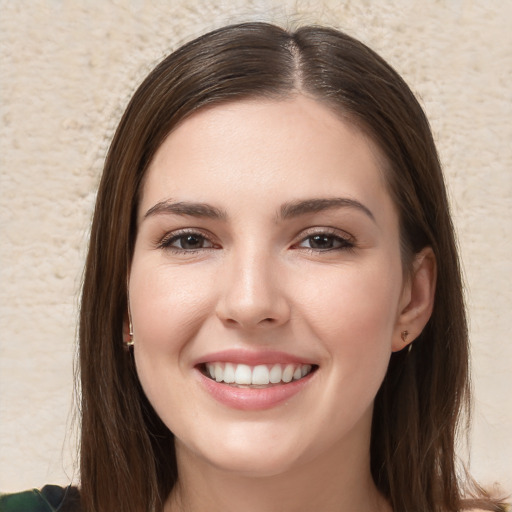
(404, 335)
(130, 341)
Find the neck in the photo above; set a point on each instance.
(337, 481)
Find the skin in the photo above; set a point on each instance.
(256, 280)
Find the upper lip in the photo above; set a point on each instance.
(252, 357)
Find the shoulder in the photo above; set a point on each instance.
(49, 499)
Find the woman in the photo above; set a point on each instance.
(272, 313)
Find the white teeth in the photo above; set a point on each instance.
(276, 372)
(288, 373)
(219, 374)
(305, 369)
(243, 374)
(260, 375)
(229, 373)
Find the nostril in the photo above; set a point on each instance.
(263, 321)
(267, 321)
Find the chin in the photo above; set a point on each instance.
(248, 456)
(253, 463)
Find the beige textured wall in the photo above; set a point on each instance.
(67, 70)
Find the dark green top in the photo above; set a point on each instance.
(51, 498)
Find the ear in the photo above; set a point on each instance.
(417, 300)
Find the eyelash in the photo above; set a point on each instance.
(344, 243)
(169, 239)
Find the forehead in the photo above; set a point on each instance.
(265, 149)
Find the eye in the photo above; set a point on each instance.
(186, 242)
(325, 242)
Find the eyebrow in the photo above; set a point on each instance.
(297, 208)
(186, 208)
(288, 210)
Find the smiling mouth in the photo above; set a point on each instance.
(258, 376)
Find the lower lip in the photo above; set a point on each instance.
(253, 399)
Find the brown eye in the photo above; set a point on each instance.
(191, 242)
(187, 242)
(324, 242)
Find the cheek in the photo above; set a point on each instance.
(353, 312)
(359, 300)
(168, 304)
(168, 307)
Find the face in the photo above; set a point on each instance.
(266, 285)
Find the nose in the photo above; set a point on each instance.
(252, 292)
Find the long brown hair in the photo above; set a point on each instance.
(127, 454)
